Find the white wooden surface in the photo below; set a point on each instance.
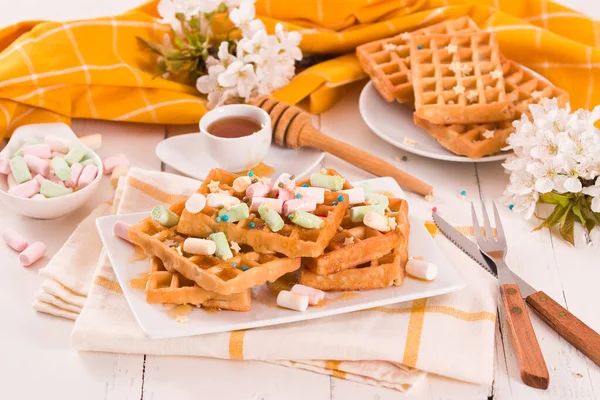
(36, 361)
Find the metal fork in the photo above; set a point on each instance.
(533, 368)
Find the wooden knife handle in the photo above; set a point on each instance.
(314, 138)
(533, 368)
(567, 325)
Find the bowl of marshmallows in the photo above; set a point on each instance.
(47, 172)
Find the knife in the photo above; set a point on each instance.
(552, 313)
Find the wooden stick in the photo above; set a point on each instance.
(310, 136)
(567, 325)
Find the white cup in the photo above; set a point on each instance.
(243, 153)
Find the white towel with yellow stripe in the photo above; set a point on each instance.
(450, 335)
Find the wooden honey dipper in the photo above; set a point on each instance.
(292, 128)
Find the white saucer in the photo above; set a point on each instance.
(190, 155)
(393, 122)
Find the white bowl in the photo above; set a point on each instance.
(57, 206)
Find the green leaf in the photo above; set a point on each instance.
(178, 42)
(562, 199)
(590, 224)
(151, 46)
(579, 213)
(547, 198)
(567, 227)
(553, 219)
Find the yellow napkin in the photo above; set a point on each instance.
(52, 71)
(450, 335)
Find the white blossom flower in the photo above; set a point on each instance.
(546, 174)
(243, 15)
(594, 192)
(239, 75)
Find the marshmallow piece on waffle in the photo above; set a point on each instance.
(199, 246)
(256, 202)
(317, 193)
(195, 203)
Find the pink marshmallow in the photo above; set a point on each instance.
(26, 189)
(14, 240)
(121, 230)
(10, 181)
(39, 150)
(111, 163)
(39, 197)
(55, 179)
(258, 189)
(87, 176)
(287, 184)
(257, 201)
(39, 178)
(32, 253)
(307, 204)
(314, 295)
(285, 195)
(76, 170)
(58, 154)
(37, 165)
(4, 166)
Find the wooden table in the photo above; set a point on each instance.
(36, 361)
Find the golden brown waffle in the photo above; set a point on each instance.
(524, 88)
(387, 61)
(381, 272)
(292, 240)
(210, 273)
(479, 140)
(165, 287)
(458, 79)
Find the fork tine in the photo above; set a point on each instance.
(499, 229)
(486, 222)
(478, 236)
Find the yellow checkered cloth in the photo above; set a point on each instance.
(95, 68)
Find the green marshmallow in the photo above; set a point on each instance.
(164, 216)
(357, 214)
(87, 162)
(327, 181)
(19, 151)
(223, 251)
(235, 213)
(306, 220)
(76, 154)
(61, 168)
(19, 169)
(366, 187)
(50, 189)
(271, 217)
(378, 199)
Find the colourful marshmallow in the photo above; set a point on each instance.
(50, 189)
(271, 217)
(36, 165)
(74, 155)
(293, 301)
(164, 216)
(307, 204)
(19, 169)
(256, 202)
(285, 195)
(306, 220)
(57, 143)
(14, 240)
(121, 230)
(76, 170)
(26, 189)
(32, 254)
(111, 163)
(222, 247)
(38, 150)
(4, 166)
(87, 176)
(314, 295)
(258, 189)
(234, 213)
(317, 193)
(327, 181)
(61, 168)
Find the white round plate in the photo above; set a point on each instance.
(190, 155)
(393, 122)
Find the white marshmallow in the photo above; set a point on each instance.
(421, 269)
(195, 203)
(240, 184)
(199, 246)
(314, 295)
(355, 195)
(292, 301)
(376, 221)
(57, 143)
(314, 192)
(217, 200)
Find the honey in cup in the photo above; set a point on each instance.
(234, 127)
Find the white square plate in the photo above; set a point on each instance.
(156, 323)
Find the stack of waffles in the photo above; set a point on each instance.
(465, 93)
(341, 254)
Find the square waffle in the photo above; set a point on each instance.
(476, 140)
(292, 240)
(379, 272)
(458, 79)
(210, 273)
(387, 61)
(165, 287)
